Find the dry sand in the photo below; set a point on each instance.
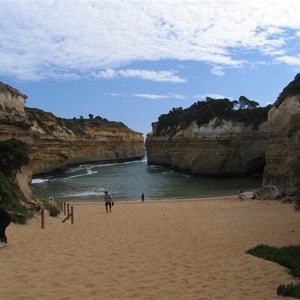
(158, 250)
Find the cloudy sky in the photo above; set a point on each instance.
(131, 61)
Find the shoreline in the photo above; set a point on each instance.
(230, 197)
(179, 249)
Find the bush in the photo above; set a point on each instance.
(293, 88)
(243, 110)
(288, 257)
(13, 154)
(11, 195)
(289, 290)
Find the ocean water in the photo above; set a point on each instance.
(127, 181)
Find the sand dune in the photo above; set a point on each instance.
(158, 250)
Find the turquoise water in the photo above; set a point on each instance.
(127, 181)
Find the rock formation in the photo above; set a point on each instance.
(217, 148)
(13, 120)
(223, 146)
(65, 142)
(15, 124)
(283, 144)
(56, 143)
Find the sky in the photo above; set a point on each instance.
(132, 61)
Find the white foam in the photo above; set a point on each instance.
(88, 173)
(84, 194)
(38, 180)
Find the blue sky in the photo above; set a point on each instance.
(131, 61)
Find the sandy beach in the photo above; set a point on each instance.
(153, 250)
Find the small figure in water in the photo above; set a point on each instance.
(143, 197)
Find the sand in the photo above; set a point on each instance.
(153, 250)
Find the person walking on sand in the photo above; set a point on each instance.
(5, 220)
(108, 200)
(143, 197)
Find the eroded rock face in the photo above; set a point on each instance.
(13, 120)
(12, 104)
(62, 143)
(283, 144)
(56, 143)
(15, 124)
(219, 147)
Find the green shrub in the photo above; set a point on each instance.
(289, 290)
(293, 88)
(13, 154)
(288, 257)
(10, 200)
(243, 110)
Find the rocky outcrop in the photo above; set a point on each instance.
(283, 144)
(56, 143)
(222, 147)
(64, 142)
(14, 123)
(217, 148)
(13, 120)
(264, 193)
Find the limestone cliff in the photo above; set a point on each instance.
(14, 123)
(56, 143)
(283, 144)
(64, 142)
(13, 120)
(219, 147)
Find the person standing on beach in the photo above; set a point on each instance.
(108, 200)
(143, 197)
(5, 220)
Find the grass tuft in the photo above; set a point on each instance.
(288, 257)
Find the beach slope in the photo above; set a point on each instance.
(187, 249)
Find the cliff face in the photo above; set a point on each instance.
(216, 148)
(56, 143)
(221, 147)
(13, 120)
(14, 123)
(283, 145)
(62, 142)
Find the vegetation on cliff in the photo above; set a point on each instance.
(77, 126)
(14, 154)
(292, 89)
(243, 110)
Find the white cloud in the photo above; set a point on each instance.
(155, 96)
(290, 60)
(213, 96)
(218, 70)
(167, 76)
(151, 96)
(114, 94)
(58, 38)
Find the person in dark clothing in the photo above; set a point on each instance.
(108, 201)
(143, 197)
(5, 220)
